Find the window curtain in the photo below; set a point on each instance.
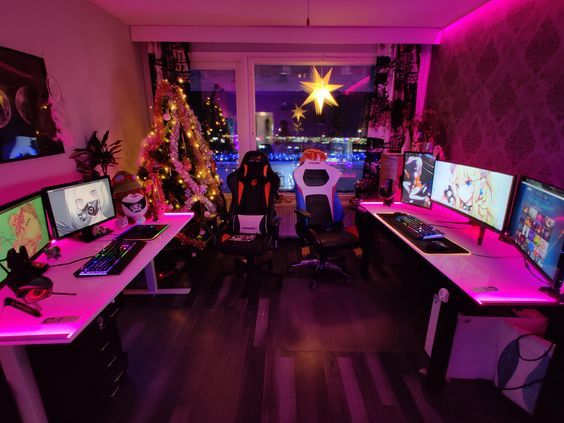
(169, 61)
(391, 110)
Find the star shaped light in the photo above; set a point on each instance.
(298, 113)
(320, 91)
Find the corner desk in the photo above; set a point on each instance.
(492, 275)
(64, 317)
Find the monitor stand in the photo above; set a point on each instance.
(553, 291)
(481, 229)
(93, 232)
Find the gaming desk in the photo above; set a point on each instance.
(65, 317)
(493, 275)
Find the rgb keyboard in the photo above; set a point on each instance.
(112, 259)
(415, 227)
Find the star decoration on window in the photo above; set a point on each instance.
(320, 91)
(298, 113)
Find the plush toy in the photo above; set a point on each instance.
(313, 154)
(129, 199)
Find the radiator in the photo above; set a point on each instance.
(287, 218)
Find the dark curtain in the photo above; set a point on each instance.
(169, 61)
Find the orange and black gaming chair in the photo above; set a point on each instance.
(252, 226)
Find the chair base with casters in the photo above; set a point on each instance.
(249, 263)
(325, 242)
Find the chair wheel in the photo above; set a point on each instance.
(313, 284)
(348, 281)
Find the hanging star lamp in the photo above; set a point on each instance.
(320, 91)
(298, 113)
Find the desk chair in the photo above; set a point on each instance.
(320, 216)
(252, 226)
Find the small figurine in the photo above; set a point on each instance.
(129, 199)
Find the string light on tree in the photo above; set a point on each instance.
(320, 91)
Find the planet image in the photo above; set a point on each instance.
(5, 109)
(25, 102)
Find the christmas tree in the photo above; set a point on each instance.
(178, 172)
(215, 127)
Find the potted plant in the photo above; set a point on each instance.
(98, 152)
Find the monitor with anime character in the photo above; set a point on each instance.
(79, 206)
(537, 224)
(23, 223)
(481, 194)
(417, 182)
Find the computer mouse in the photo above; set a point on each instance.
(437, 246)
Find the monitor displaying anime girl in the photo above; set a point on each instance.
(79, 206)
(417, 183)
(479, 193)
(23, 224)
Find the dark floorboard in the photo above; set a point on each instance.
(340, 353)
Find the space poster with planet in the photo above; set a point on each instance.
(27, 129)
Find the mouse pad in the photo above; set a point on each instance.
(143, 232)
(425, 245)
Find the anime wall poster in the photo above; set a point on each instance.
(479, 193)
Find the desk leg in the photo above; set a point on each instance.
(153, 285)
(22, 382)
(442, 346)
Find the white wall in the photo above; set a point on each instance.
(99, 71)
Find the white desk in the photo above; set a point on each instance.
(502, 269)
(492, 275)
(18, 329)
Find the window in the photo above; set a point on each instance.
(213, 98)
(340, 131)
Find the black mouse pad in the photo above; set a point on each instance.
(143, 232)
(424, 245)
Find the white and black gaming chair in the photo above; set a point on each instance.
(320, 216)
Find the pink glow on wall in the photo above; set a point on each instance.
(477, 14)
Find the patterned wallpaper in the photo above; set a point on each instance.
(497, 85)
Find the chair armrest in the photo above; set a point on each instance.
(302, 213)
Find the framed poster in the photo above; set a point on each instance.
(27, 129)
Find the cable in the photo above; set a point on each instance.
(531, 272)
(494, 257)
(532, 359)
(515, 388)
(70, 262)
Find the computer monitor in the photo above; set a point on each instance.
(537, 224)
(23, 223)
(417, 182)
(78, 206)
(481, 194)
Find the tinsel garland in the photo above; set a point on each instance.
(171, 115)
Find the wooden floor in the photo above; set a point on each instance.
(339, 353)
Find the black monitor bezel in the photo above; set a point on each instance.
(507, 234)
(47, 203)
(26, 199)
(401, 187)
(474, 220)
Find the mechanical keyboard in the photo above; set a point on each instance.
(415, 227)
(112, 259)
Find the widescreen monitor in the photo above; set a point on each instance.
(417, 183)
(537, 224)
(23, 223)
(481, 194)
(78, 206)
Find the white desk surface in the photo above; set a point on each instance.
(93, 293)
(506, 273)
